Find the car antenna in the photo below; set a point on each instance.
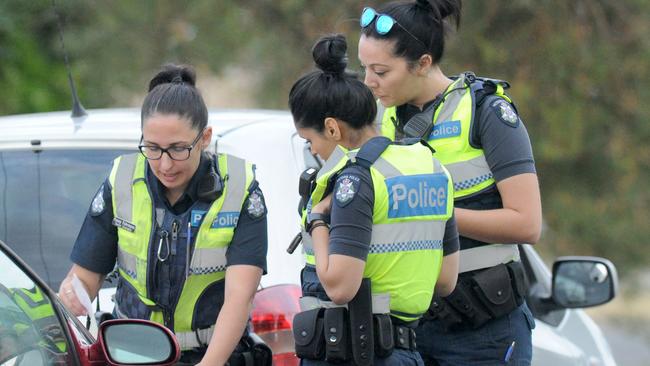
(77, 109)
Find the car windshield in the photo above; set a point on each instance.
(44, 197)
(30, 332)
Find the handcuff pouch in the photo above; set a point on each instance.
(308, 334)
(337, 339)
(384, 339)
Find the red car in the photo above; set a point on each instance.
(36, 329)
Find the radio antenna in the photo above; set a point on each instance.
(77, 109)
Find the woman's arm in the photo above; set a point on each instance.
(448, 275)
(519, 221)
(241, 284)
(340, 275)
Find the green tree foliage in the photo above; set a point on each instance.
(579, 72)
(29, 80)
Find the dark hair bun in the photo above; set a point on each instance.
(424, 4)
(330, 54)
(171, 73)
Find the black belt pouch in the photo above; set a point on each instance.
(308, 334)
(384, 341)
(519, 280)
(337, 340)
(494, 289)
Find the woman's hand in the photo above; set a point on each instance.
(324, 206)
(92, 282)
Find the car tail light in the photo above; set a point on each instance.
(273, 311)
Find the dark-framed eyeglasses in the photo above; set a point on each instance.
(178, 153)
(383, 23)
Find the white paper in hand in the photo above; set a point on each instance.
(82, 295)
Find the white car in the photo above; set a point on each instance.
(51, 166)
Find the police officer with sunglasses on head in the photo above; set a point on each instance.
(477, 134)
(190, 245)
(379, 232)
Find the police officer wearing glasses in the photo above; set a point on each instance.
(479, 137)
(186, 228)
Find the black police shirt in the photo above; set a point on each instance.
(96, 246)
(353, 201)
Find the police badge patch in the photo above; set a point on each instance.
(346, 187)
(506, 112)
(255, 206)
(98, 205)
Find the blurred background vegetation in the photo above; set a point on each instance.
(580, 75)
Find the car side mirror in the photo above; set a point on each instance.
(137, 342)
(580, 282)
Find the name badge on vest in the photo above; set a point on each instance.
(121, 223)
(197, 217)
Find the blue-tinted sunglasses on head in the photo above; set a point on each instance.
(383, 23)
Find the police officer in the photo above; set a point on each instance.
(39, 327)
(187, 228)
(479, 137)
(380, 214)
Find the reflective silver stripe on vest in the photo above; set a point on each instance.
(123, 187)
(188, 340)
(30, 302)
(380, 303)
(307, 243)
(127, 262)
(331, 162)
(380, 116)
(211, 260)
(208, 260)
(406, 236)
(123, 191)
(487, 256)
(386, 169)
(467, 174)
(236, 182)
(45, 323)
(398, 237)
(437, 167)
(452, 100)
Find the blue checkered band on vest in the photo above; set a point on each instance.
(471, 182)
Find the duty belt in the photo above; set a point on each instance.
(487, 256)
(380, 303)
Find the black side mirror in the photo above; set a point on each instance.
(580, 282)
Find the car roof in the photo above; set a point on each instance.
(109, 128)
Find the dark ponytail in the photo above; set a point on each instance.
(331, 91)
(173, 91)
(427, 21)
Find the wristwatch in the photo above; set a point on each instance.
(313, 217)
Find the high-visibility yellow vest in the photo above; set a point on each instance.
(413, 201)
(41, 313)
(134, 214)
(450, 137)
